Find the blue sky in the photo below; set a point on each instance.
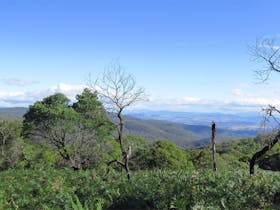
(188, 55)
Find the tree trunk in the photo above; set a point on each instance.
(125, 154)
(214, 146)
(3, 144)
(128, 172)
(260, 153)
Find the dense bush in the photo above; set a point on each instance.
(59, 189)
(10, 148)
(36, 156)
(161, 155)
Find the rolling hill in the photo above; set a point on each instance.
(13, 112)
(181, 134)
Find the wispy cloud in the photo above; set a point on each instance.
(18, 82)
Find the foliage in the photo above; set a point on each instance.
(232, 155)
(135, 142)
(76, 204)
(10, 131)
(78, 132)
(162, 155)
(92, 112)
(36, 156)
(154, 189)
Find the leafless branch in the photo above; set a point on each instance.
(271, 116)
(117, 89)
(267, 52)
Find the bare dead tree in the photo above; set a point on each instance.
(267, 52)
(118, 91)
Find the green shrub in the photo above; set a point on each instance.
(153, 189)
(162, 155)
(37, 157)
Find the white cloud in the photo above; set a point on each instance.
(258, 101)
(11, 94)
(18, 82)
(237, 92)
(191, 100)
(25, 98)
(69, 90)
(237, 104)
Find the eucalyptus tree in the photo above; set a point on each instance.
(74, 130)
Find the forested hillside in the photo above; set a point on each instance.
(183, 135)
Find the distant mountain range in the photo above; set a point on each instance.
(193, 129)
(183, 135)
(183, 128)
(239, 120)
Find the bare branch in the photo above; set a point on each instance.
(271, 116)
(117, 89)
(267, 52)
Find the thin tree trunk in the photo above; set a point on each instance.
(214, 146)
(128, 172)
(125, 154)
(260, 153)
(3, 144)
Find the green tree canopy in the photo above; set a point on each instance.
(75, 130)
(163, 155)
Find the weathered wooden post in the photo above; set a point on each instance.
(214, 146)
